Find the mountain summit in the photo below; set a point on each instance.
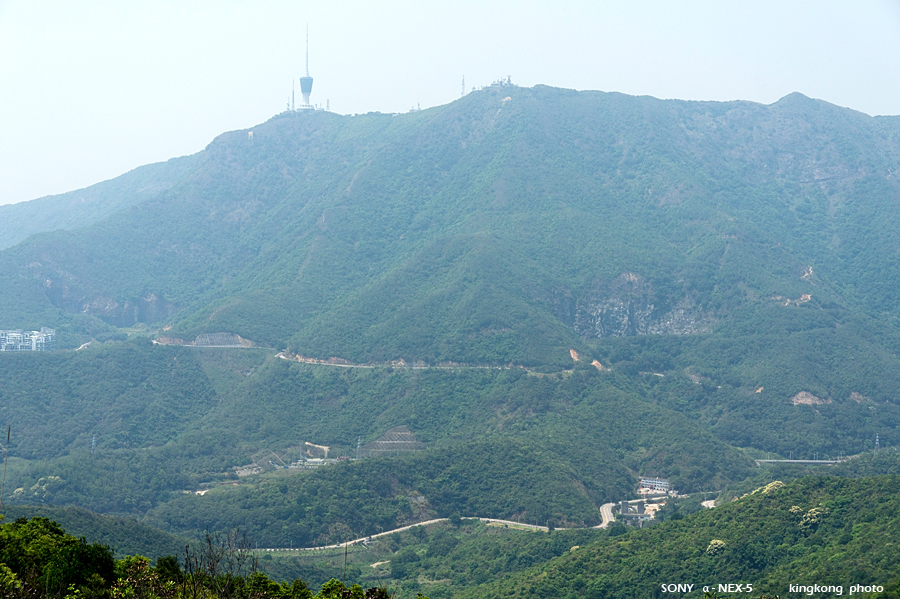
(508, 226)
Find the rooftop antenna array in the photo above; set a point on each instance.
(306, 82)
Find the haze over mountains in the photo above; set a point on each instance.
(502, 227)
(657, 287)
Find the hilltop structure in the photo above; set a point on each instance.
(19, 340)
(306, 82)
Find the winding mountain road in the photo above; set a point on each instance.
(403, 528)
(399, 365)
(606, 514)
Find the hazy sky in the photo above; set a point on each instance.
(90, 89)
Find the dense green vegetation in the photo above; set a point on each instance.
(731, 267)
(490, 479)
(125, 536)
(740, 385)
(818, 530)
(886, 461)
(128, 395)
(484, 230)
(438, 560)
(38, 559)
(766, 544)
(499, 442)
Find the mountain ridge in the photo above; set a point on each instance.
(718, 259)
(83, 207)
(231, 161)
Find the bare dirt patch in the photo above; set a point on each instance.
(860, 398)
(788, 301)
(808, 399)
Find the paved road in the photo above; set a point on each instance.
(316, 362)
(758, 462)
(401, 529)
(606, 514)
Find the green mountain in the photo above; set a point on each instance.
(84, 207)
(833, 532)
(138, 427)
(494, 230)
(554, 291)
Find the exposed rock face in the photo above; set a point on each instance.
(629, 305)
(808, 399)
(150, 308)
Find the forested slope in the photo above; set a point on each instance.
(502, 227)
(85, 207)
(499, 442)
(124, 535)
(825, 531)
(612, 287)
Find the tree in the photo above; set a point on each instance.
(39, 555)
(138, 580)
(218, 563)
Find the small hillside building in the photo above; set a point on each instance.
(19, 340)
(655, 484)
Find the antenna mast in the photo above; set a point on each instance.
(306, 82)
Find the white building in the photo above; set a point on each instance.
(19, 340)
(655, 484)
